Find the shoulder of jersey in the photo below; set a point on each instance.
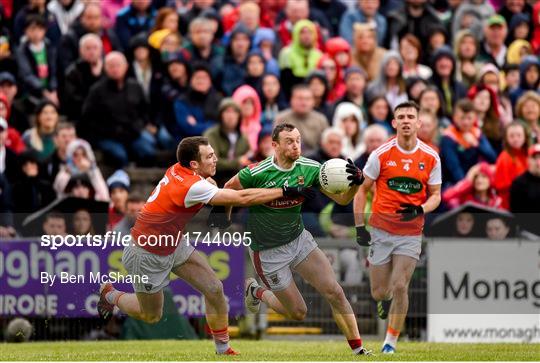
(428, 149)
(308, 162)
(260, 166)
(385, 147)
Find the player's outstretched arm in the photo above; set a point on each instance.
(245, 197)
(360, 201)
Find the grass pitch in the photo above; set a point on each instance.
(170, 350)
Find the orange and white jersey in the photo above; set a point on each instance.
(180, 194)
(401, 177)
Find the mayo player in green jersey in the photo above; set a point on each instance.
(280, 244)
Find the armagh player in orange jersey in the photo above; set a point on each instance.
(407, 177)
(186, 187)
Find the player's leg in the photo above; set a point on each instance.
(402, 271)
(196, 272)
(380, 270)
(316, 270)
(141, 306)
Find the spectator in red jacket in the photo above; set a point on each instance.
(477, 187)
(512, 162)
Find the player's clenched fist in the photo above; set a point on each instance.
(410, 212)
(355, 174)
(363, 238)
(298, 191)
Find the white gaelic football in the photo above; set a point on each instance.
(333, 176)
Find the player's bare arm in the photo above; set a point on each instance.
(245, 197)
(343, 198)
(360, 201)
(434, 198)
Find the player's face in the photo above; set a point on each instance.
(406, 121)
(288, 145)
(207, 165)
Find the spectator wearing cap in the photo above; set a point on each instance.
(528, 112)
(201, 47)
(230, 144)
(65, 12)
(264, 40)
(14, 141)
(8, 158)
(31, 191)
(90, 21)
(196, 110)
(119, 185)
(390, 81)
(355, 85)
(444, 69)
(519, 28)
(273, 99)
(133, 19)
(80, 160)
(525, 193)
(36, 59)
(529, 77)
(39, 8)
(463, 144)
(81, 75)
(234, 66)
(415, 17)
(301, 115)
(115, 116)
(301, 56)
(493, 50)
(40, 138)
(366, 54)
(365, 11)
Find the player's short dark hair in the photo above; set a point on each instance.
(465, 105)
(408, 104)
(279, 128)
(189, 149)
(35, 20)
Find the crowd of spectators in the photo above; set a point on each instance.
(88, 85)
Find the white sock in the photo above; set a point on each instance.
(391, 339)
(221, 347)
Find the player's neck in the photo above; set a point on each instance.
(283, 163)
(407, 143)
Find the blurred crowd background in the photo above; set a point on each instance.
(95, 92)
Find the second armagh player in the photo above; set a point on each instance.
(182, 192)
(407, 177)
(281, 244)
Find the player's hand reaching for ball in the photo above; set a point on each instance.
(218, 218)
(298, 191)
(363, 237)
(410, 212)
(355, 174)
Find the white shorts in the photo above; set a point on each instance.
(139, 261)
(274, 266)
(384, 245)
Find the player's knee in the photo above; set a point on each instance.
(334, 293)
(214, 290)
(152, 318)
(379, 293)
(298, 314)
(399, 288)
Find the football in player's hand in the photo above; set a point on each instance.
(333, 176)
